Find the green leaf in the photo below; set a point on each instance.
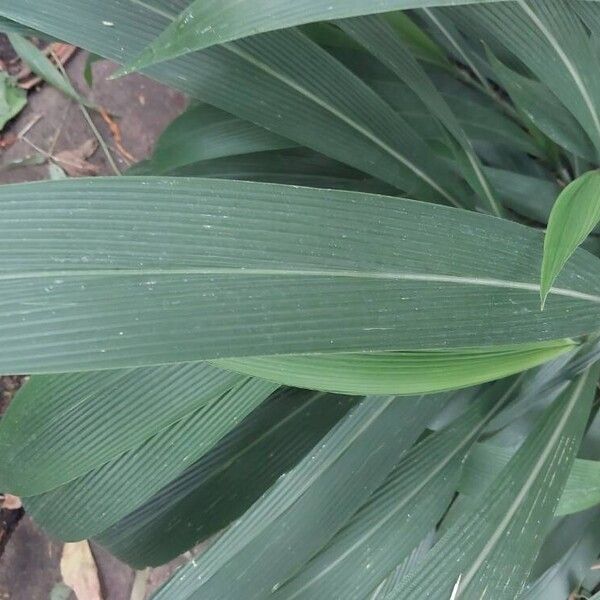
(12, 99)
(383, 42)
(220, 487)
(10, 26)
(548, 37)
(456, 44)
(410, 564)
(564, 577)
(396, 372)
(314, 109)
(300, 167)
(204, 133)
(491, 549)
(249, 78)
(399, 514)
(203, 24)
(582, 490)
(481, 122)
(421, 45)
(191, 269)
(532, 197)
(92, 503)
(59, 427)
(281, 531)
(541, 106)
(574, 216)
(88, 74)
(43, 67)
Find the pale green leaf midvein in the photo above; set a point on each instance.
(566, 61)
(413, 492)
(154, 9)
(465, 57)
(353, 124)
(558, 432)
(381, 276)
(314, 474)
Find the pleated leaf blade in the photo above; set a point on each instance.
(492, 548)
(220, 487)
(400, 513)
(90, 504)
(115, 273)
(307, 506)
(204, 24)
(59, 427)
(397, 372)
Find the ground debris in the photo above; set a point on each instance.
(75, 163)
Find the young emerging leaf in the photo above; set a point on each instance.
(574, 216)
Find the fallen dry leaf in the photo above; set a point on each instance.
(79, 572)
(7, 140)
(11, 502)
(74, 162)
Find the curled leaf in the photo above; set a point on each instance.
(79, 572)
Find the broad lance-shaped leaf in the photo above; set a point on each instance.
(532, 197)
(582, 489)
(482, 123)
(396, 372)
(88, 505)
(565, 576)
(204, 133)
(492, 548)
(59, 427)
(205, 23)
(456, 43)
(123, 272)
(399, 514)
(541, 106)
(377, 36)
(276, 65)
(309, 505)
(293, 167)
(574, 216)
(548, 37)
(250, 77)
(220, 487)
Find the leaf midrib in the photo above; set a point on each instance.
(315, 474)
(303, 91)
(535, 471)
(341, 274)
(345, 119)
(436, 470)
(571, 68)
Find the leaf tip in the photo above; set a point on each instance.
(120, 72)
